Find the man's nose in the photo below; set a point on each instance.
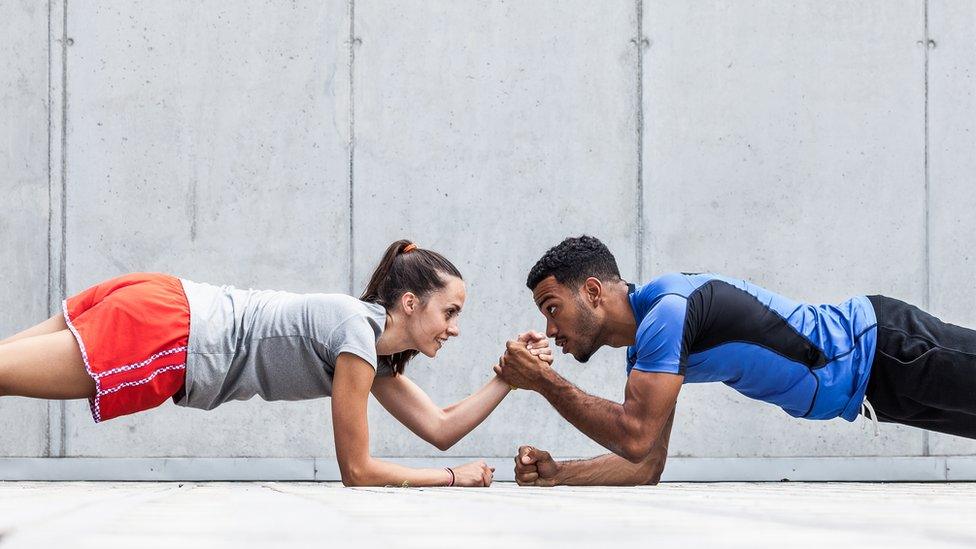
(551, 330)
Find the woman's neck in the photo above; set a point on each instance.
(394, 338)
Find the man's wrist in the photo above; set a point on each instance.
(549, 380)
(564, 471)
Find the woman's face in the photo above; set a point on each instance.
(435, 321)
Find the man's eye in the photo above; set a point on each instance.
(552, 309)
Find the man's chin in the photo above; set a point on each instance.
(582, 358)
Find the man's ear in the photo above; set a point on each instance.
(593, 290)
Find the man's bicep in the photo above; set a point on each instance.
(649, 398)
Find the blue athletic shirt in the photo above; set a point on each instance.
(813, 361)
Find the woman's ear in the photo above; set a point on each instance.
(409, 302)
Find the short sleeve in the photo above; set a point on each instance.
(659, 336)
(355, 335)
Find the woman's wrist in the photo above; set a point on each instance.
(502, 383)
(453, 477)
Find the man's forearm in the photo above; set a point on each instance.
(597, 418)
(610, 470)
(613, 470)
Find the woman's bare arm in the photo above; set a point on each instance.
(350, 393)
(443, 427)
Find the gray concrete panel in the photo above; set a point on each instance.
(769, 129)
(489, 131)
(24, 222)
(952, 175)
(209, 141)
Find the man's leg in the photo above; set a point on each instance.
(924, 371)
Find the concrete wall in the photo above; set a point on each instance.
(820, 149)
(24, 219)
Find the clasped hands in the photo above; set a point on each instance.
(526, 362)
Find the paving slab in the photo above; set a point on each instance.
(242, 515)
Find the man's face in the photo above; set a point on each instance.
(570, 318)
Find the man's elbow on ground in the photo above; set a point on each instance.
(636, 451)
(655, 475)
(653, 467)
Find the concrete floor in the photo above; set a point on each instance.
(270, 514)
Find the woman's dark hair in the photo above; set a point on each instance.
(574, 260)
(406, 268)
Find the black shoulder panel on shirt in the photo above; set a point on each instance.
(720, 313)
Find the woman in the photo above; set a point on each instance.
(132, 342)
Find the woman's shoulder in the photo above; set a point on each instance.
(338, 308)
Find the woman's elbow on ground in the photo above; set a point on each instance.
(356, 474)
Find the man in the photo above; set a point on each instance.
(813, 361)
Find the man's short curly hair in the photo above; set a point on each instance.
(574, 260)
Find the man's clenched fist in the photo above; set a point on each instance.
(534, 467)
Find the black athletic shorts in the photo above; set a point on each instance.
(924, 370)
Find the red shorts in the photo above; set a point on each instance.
(133, 332)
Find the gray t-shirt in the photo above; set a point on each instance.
(276, 345)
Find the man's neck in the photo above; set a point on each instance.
(620, 328)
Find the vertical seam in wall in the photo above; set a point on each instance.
(928, 238)
(639, 42)
(928, 263)
(352, 144)
(50, 201)
(63, 274)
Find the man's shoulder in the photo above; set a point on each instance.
(679, 284)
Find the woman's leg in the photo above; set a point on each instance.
(44, 366)
(54, 324)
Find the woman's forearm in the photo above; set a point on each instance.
(376, 472)
(462, 417)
